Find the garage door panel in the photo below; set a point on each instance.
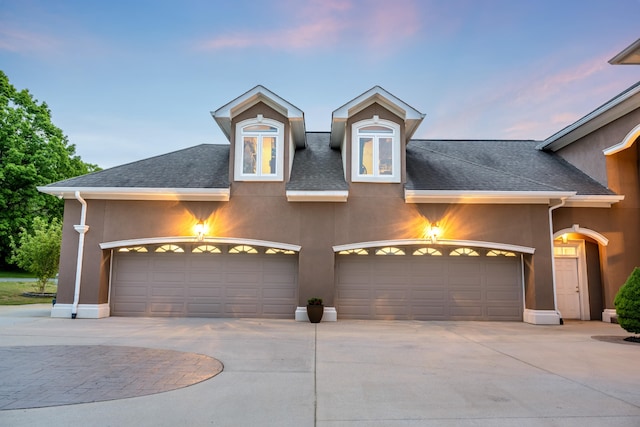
(204, 285)
(429, 287)
(204, 291)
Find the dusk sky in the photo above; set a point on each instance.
(127, 80)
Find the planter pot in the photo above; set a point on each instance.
(315, 313)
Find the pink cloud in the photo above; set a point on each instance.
(326, 23)
(20, 41)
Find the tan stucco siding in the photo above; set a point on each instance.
(587, 153)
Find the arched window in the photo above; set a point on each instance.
(389, 250)
(243, 249)
(375, 151)
(496, 252)
(206, 249)
(259, 150)
(135, 249)
(354, 252)
(464, 252)
(427, 251)
(273, 251)
(169, 248)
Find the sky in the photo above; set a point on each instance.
(127, 80)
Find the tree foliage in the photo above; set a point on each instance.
(38, 252)
(627, 303)
(33, 152)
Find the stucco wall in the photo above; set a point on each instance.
(255, 213)
(586, 153)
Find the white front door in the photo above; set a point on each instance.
(568, 287)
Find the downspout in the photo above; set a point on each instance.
(81, 229)
(553, 261)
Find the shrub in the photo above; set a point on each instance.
(627, 303)
(39, 252)
(314, 301)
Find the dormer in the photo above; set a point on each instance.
(264, 131)
(372, 132)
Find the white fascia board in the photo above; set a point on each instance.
(410, 115)
(192, 239)
(317, 196)
(439, 242)
(140, 193)
(597, 201)
(630, 55)
(484, 197)
(603, 115)
(224, 115)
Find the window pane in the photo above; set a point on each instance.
(375, 129)
(366, 156)
(249, 155)
(385, 148)
(260, 128)
(268, 155)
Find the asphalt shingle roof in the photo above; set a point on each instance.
(492, 166)
(317, 167)
(431, 165)
(202, 166)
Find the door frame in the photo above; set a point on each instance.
(583, 283)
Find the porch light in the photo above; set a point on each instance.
(432, 232)
(565, 238)
(200, 230)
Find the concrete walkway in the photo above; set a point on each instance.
(354, 373)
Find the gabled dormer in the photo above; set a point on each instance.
(264, 131)
(372, 132)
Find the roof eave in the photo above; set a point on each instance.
(629, 56)
(317, 196)
(622, 104)
(140, 193)
(339, 117)
(225, 114)
(484, 197)
(593, 201)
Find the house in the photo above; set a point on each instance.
(378, 224)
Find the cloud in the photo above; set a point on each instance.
(22, 41)
(376, 24)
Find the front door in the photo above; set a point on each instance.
(568, 287)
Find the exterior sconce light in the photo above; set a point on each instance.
(433, 232)
(565, 238)
(200, 229)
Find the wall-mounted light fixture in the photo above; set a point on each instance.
(432, 232)
(200, 230)
(565, 238)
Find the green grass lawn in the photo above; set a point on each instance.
(11, 293)
(16, 274)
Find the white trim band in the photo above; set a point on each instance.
(442, 242)
(85, 311)
(193, 239)
(317, 196)
(328, 315)
(484, 197)
(541, 317)
(141, 193)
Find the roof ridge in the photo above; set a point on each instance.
(488, 168)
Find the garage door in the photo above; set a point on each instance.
(429, 284)
(204, 281)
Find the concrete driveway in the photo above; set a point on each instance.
(353, 373)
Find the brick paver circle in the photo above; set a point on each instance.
(39, 376)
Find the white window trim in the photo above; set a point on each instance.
(355, 152)
(238, 174)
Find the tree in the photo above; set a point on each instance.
(38, 252)
(33, 152)
(627, 303)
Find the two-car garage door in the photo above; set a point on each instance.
(438, 284)
(219, 281)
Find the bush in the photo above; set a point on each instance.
(627, 303)
(39, 252)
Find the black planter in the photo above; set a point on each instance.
(315, 313)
